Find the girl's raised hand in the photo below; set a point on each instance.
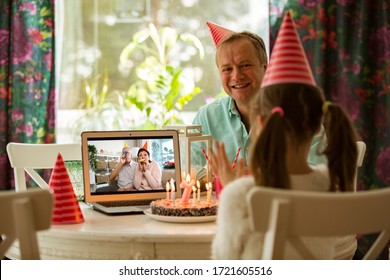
(222, 167)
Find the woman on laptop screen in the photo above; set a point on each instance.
(148, 173)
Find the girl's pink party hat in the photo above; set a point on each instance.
(288, 63)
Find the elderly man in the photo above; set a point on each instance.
(122, 177)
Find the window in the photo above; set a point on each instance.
(91, 35)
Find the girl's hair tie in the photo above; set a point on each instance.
(278, 110)
(325, 106)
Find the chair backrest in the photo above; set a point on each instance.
(29, 157)
(361, 147)
(21, 215)
(283, 215)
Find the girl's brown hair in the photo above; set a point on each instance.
(302, 119)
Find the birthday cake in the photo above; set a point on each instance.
(164, 207)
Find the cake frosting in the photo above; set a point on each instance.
(166, 207)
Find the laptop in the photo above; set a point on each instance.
(101, 152)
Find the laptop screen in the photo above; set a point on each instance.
(106, 153)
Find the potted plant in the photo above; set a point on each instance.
(100, 109)
(162, 88)
(92, 151)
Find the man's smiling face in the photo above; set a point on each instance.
(240, 69)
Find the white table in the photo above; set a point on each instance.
(123, 237)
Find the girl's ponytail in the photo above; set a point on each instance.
(268, 156)
(341, 149)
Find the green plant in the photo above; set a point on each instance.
(95, 98)
(168, 154)
(92, 151)
(101, 109)
(162, 88)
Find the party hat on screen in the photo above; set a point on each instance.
(217, 32)
(66, 207)
(288, 63)
(145, 146)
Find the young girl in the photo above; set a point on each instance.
(285, 117)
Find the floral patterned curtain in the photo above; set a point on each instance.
(27, 86)
(348, 46)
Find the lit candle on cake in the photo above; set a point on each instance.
(187, 186)
(198, 186)
(208, 188)
(167, 189)
(194, 193)
(173, 191)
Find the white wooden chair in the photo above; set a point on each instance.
(361, 147)
(21, 215)
(283, 215)
(29, 157)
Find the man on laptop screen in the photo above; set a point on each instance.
(120, 171)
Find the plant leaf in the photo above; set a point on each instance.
(127, 52)
(190, 38)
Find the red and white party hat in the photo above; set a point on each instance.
(66, 207)
(288, 63)
(217, 32)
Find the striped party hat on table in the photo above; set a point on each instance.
(288, 63)
(217, 32)
(66, 207)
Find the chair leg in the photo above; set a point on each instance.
(25, 229)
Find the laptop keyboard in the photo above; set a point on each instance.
(119, 203)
